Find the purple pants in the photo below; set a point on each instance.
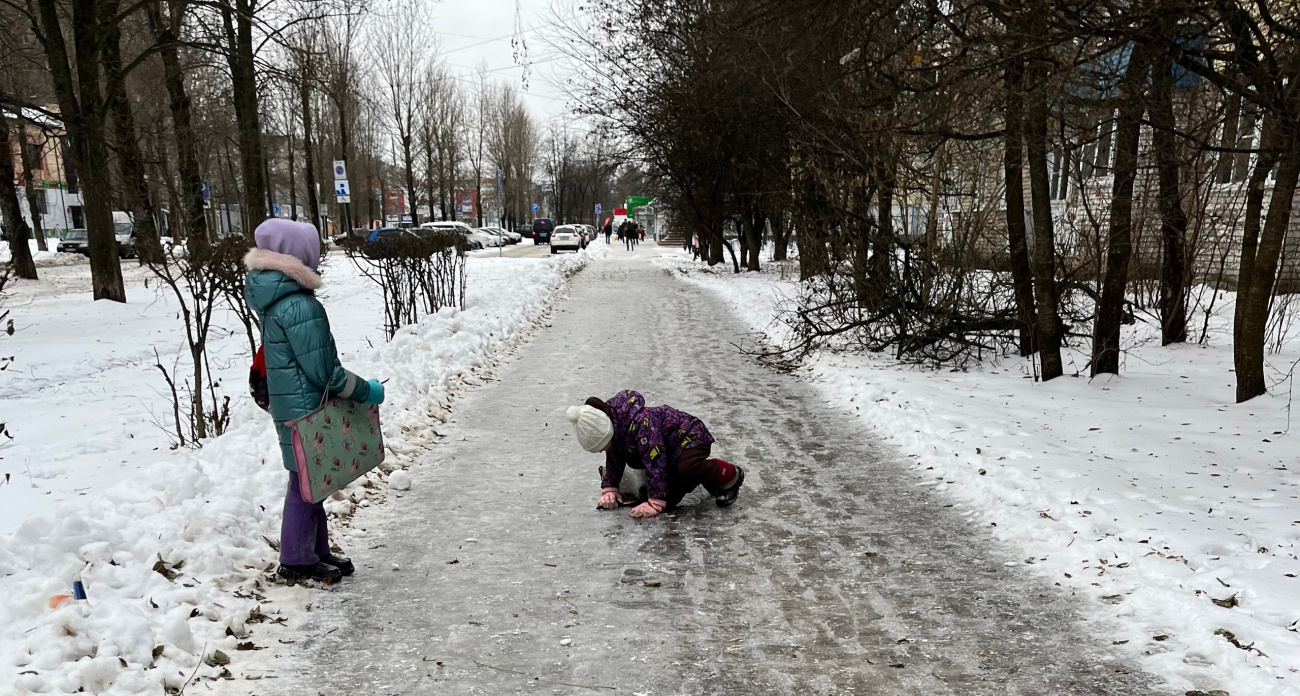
(304, 538)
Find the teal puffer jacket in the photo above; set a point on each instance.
(302, 363)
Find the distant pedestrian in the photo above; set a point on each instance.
(696, 253)
(608, 229)
(670, 445)
(302, 368)
(625, 233)
(640, 231)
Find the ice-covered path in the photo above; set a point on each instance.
(833, 574)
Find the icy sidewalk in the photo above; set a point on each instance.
(1173, 511)
(169, 546)
(832, 574)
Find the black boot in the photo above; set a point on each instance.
(343, 564)
(728, 496)
(320, 572)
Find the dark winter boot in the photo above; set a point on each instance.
(728, 496)
(320, 572)
(343, 564)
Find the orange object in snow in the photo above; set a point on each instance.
(59, 600)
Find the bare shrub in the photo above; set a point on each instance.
(417, 271)
(201, 277)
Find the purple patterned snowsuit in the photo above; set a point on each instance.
(650, 438)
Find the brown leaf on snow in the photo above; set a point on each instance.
(1227, 603)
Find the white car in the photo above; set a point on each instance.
(494, 233)
(512, 237)
(483, 240)
(567, 237)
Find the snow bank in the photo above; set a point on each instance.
(171, 555)
(1173, 511)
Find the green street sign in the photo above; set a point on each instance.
(634, 202)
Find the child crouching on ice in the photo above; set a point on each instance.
(671, 446)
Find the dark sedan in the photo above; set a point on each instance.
(75, 242)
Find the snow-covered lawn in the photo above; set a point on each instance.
(170, 542)
(1150, 495)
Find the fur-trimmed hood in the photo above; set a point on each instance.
(263, 260)
(273, 277)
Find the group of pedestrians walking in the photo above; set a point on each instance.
(297, 372)
(629, 232)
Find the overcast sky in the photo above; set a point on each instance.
(474, 31)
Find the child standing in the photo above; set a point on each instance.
(302, 367)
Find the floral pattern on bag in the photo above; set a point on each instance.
(343, 441)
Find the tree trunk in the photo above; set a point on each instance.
(882, 244)
(1255, 287)
(11, 216)
(755, 232)
(1232, 112)
(194, 221)
(429, 178)
(409, 160)
(345, 144)
(1119, 246)
(130, 161)
(1022, 277)
(243, 77)
(308, 154)
(82, 109)
(715, 245)
(780, 237)
(198, 413)
(932, 227)
(1173, 220)
(34, 195)
(1044, 257)
(442, 188)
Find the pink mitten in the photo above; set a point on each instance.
(608, 499)
(649, 508)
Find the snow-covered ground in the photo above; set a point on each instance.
(1172, 512)
(170, 543)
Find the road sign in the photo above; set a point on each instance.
(341, 188)
(343, 199)
(598, 209)
(536, 207)
(340, 170)
(275, 209)
(207, 194)
(324, 210)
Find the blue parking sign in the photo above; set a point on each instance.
(536, 207)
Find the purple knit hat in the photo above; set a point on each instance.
(296, 239)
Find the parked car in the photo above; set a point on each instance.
(124, 233)
(567, 237)
(542, 229)
(75, 242)
(510, 237)
(382, 235)
(478, 240)
(357, 234)
(494, 233)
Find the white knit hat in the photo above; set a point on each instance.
(591, 425)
